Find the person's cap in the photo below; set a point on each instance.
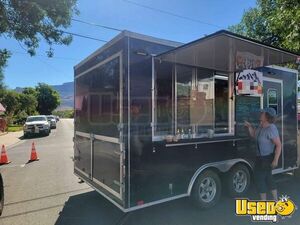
(269, 110)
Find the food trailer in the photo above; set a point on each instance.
(157, 120)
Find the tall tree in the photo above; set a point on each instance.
(28, 103)
(4, 54)
(275, 22)
(48, 99)
(10, 100)
(29, 91)
(27, 21)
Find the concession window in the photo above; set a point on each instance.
(193, 84)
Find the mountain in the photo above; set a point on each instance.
(66, 92)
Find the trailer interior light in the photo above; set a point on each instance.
(141, 53)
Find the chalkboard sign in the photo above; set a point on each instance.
(246, 108)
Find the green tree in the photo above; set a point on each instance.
(69, 113)
(4, 54)
(10, 100)
(275, 22)
(48, 99)
(29, 21)
(28, 103)
(29, 91)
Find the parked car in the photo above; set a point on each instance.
(1, 194)
(52, 120)
(57, 118)
(36, 125)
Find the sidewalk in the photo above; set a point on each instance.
(10, 138)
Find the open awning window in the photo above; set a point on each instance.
(228, 52)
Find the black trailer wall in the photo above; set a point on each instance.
(137, 62)
(97, 112)
(140, 118)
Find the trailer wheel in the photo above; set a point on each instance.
(207, 189)
(238, 180)
(1, 195)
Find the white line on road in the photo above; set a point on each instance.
(11, 166)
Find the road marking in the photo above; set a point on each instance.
(15, 144)
(11, 166)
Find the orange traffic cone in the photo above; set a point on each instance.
(4, 158)
(33, 155)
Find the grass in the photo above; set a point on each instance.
(14, 128)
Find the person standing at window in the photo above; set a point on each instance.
(268, 152)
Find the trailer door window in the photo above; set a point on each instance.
(273, 99)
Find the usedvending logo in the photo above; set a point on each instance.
(267, 211)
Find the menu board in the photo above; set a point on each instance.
(246, 109)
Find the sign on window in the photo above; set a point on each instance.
(249, 82)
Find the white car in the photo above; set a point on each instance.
(52, 120)
(36, 125)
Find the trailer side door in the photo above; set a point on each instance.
(273, 98)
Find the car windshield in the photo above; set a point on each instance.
(36, 118)
(50, 117)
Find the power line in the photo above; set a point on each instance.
(53, 57)
(97, 25)
(82, 36)
(38, 58)
(49, 65)
(171, 13)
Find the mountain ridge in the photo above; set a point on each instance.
(66, 92)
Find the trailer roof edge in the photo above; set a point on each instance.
(233, 35)
(126, 33)
(284, 69)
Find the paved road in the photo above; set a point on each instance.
(46, 192)
(35, 193)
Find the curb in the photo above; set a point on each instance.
(14, 144)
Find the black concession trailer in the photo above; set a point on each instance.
(157, 120)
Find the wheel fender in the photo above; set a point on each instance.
(222, 166)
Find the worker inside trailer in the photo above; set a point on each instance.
(137, 128)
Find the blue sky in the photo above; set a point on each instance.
(23, 70)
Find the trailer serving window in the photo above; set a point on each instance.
(222, 96)
(164, 99)
(190, 101)
(202, 102)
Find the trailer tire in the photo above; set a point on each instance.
(207, 189)
(1, 195)
(238, 180)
